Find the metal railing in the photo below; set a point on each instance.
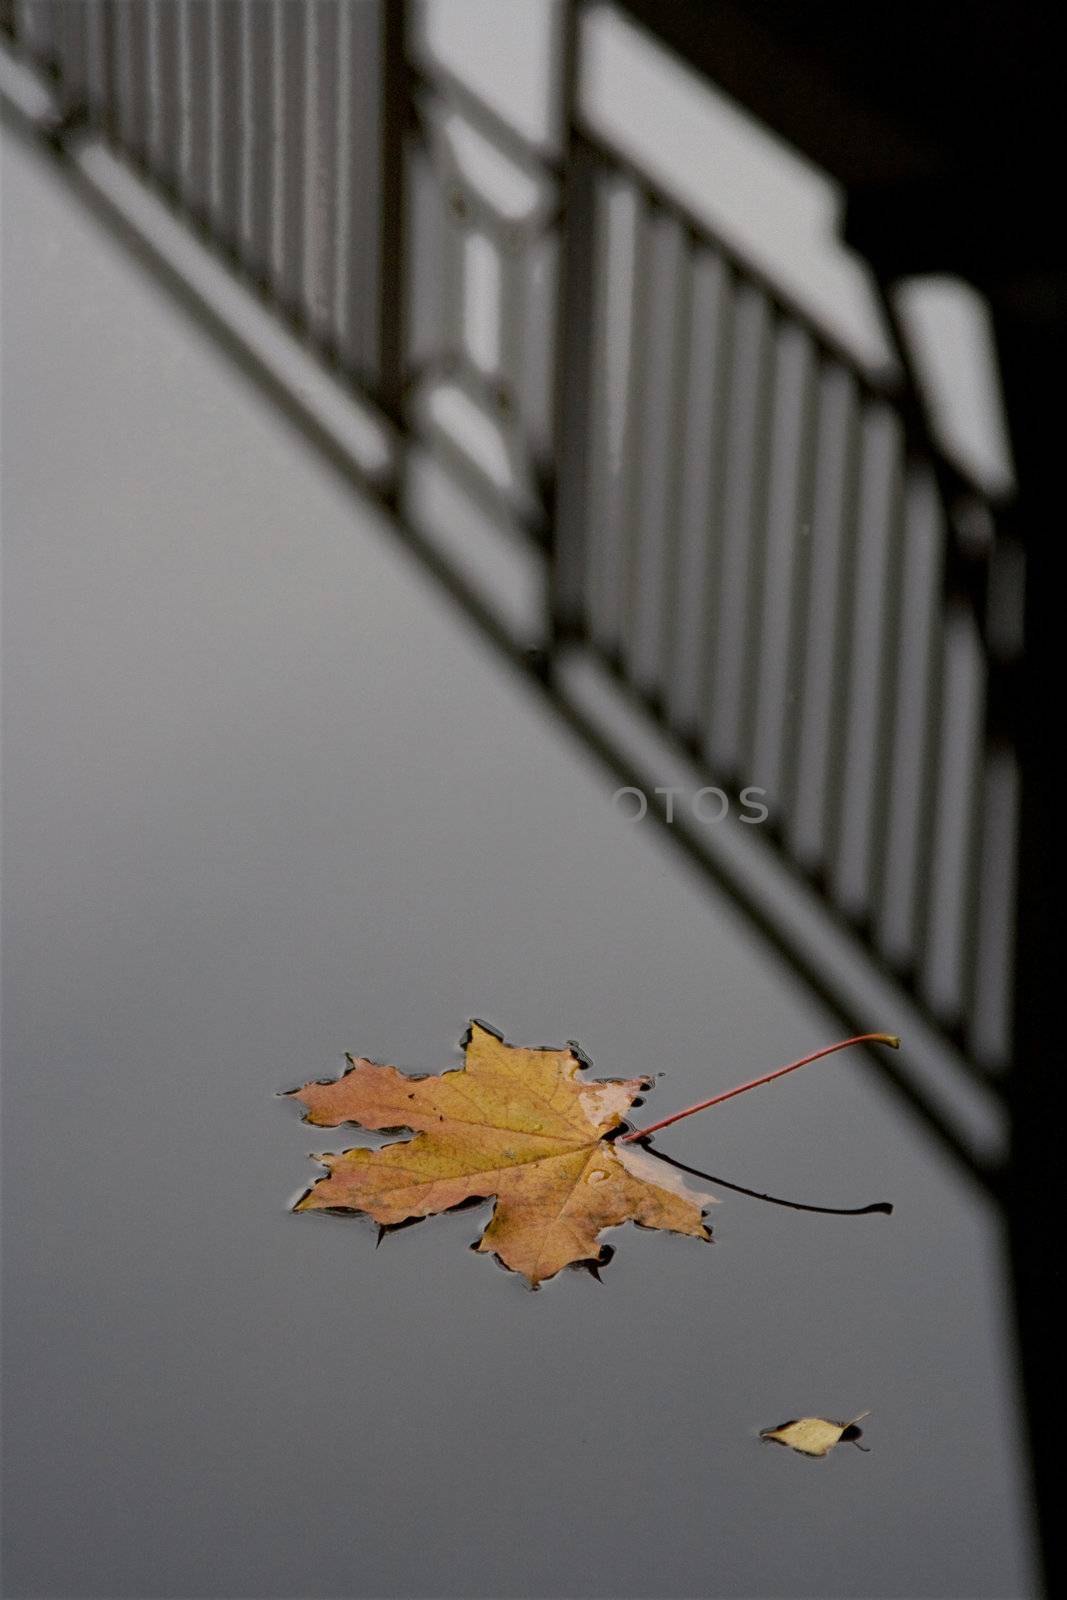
(811, 599)
(753, 533)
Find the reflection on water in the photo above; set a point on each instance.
(247, 819)
(876, 1206)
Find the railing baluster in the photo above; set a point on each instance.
(360, 181)
(909, 777)
(718, 445)
(320, 215)
(886, 658)
(989, 1001)
(813, 812)
(291, 88)
(972, 821)
(197, 109)
(954, 822)
(629, 467)
(33, 25)
(165, 147)
(617, 212)
(96, 59)
(657, 446)
(230, 123)
(768, 380)
(568, 513)
(260, 34)
(707, 338)
(743, 494)
(811, 417)
(787, 541)
(71, 18)
(390, 155)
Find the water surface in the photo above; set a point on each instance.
(266, 801)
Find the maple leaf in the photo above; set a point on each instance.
(517, 1126)
(815, 1436)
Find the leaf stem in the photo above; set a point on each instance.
(882, 1206)
(768, 1077)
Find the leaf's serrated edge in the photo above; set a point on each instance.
(583, 1060)
(584, 1063)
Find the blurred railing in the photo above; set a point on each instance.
(703, 488)
(812, 600)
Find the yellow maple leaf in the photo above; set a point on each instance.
(516, 1126)
(815, 1436)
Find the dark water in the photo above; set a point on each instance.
(265, 802)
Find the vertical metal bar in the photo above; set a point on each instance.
(886, 666)
(165, 152)
(196, 109)
(512, 259)
(230, 123)
(595, 577)
(136, 81)
(572, 420)
(654, 511)
(119, 38)
(360, 191)
(743, 490)
(538, 268)
(391, 278)
(630, 465)
(153, 91)
(616, 225)
(785, 546)
(451, 270)
(568, 508)
(95, 59)
(681, 382)
(70, 53)
(785, 777)
(955, 819)
(320, 210)
(973, 822)
(933, 739)
(707, 336)
(259, 32)
(988, 1002)
(109, 76)
(868, 597)
(123, 77)
(848, 526)
(814, 805)
(34, 30)
(723, 403)
(289, 235)
(768, 380)
(345, 136)
(910, 785)
(47, 33)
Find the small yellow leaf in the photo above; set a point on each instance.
(815, 1436)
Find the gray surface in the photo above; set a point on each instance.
(266, 800)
